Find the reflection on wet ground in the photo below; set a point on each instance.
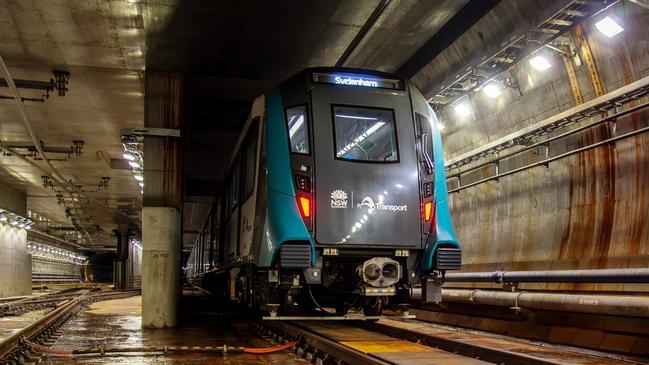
(12, 324)
(117, 323)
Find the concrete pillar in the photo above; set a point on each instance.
(120, 276)
(15, 262)
(160, 266)
(162, 208)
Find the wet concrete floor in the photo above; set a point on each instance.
(117, 323)
(12, 324)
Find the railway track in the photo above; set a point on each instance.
(413, 342)
(28, 304)
(15, 350)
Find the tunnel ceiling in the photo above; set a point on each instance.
(229, 52)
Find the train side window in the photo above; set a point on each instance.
(250, 159)
(365, 134)
(298, 129)
(234, 185)
(424, 130)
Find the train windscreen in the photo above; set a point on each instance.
(298, 132)
(365, 134)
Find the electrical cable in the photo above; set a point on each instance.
(103, 350)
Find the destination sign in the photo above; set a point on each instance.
(371, 81)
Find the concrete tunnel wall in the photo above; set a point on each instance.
(15, 262)
(590, 210)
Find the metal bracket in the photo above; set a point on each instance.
(156, 132)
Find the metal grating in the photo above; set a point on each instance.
(448, 259)
(295, 256)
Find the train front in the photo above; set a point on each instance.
(369, 180)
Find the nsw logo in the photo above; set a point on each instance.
(338, 199)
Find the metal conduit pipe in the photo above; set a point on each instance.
(595, 304)
(639, 275)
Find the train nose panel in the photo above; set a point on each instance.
(366, 179)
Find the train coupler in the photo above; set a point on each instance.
(431, 289)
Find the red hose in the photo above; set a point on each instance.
(267, 350)
(250, 350)
(48, 350)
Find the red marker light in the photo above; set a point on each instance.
(428, 210)
(305, 206)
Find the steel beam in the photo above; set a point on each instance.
(462, 21)
(369, 23)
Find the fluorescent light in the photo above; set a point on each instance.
(463, 110)
(361, 138)
(540, 63)
(492, 90)
(141, 184)
(608, 27)
(129, 156)
(374, 128)
(296, 126)
(355, 117)
(138, 177)
(134, 164)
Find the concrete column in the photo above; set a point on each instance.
(120, 275)
(160, 266)
(162, 211)
(15, 262)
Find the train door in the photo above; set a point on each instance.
(367, 190)
(249, 158)
(232, 211)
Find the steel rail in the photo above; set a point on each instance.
(13, 349)
(320, 343)
(552, 159)
(605, 102)
(465, 348)
(611, 118)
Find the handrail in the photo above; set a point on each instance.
(600, 104)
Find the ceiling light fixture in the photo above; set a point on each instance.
(540, 63)
(492, 90)
(134, 164)
(609, 27)
(129, 156)
(462, 110)
(138, 177)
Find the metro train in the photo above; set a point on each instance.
(335, 199)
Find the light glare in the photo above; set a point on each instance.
(609, 27)
(540, 63)
(492, 90)
(463, 110)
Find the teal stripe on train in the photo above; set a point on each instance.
(284, 222)
(443, 229)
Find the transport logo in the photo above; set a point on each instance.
(368, 203)
(338, 199)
